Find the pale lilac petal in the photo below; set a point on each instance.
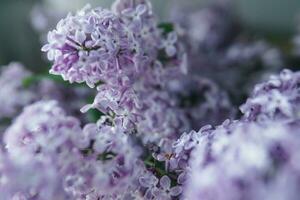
(165, 182)
(80, 36)
(175, 191)
(171, 50)
(141, 9)
(172, 37)
(145, 182)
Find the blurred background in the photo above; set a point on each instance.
(21, 22)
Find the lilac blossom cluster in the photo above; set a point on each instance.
(252, 161)
(252, 158)
(276, 99)
(98, 45)
(81, 162)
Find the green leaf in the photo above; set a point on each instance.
(36, 78)
(94, 115)
(5, 121)
(166, 27)
(29, 81)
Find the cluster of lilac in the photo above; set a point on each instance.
(248, 161)
(255, 157)
(148, 97)
(98, 45)
(81, 161)
(276, 99)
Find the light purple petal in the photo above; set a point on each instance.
(172, 37)
(141, 9)
(145, 182)
(80, 36)
(165, 182)
(175, 191)
(171, 50)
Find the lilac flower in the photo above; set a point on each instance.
(149, 181)
(43, 132)
(169, 44)
(274, 99)
(165, 191)
(123, 103)
(117, 156)
(251, 162)
(97, 45)
(42, 128)
(184, 145)
(136, 14)
(71, 49)
(158, 188)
